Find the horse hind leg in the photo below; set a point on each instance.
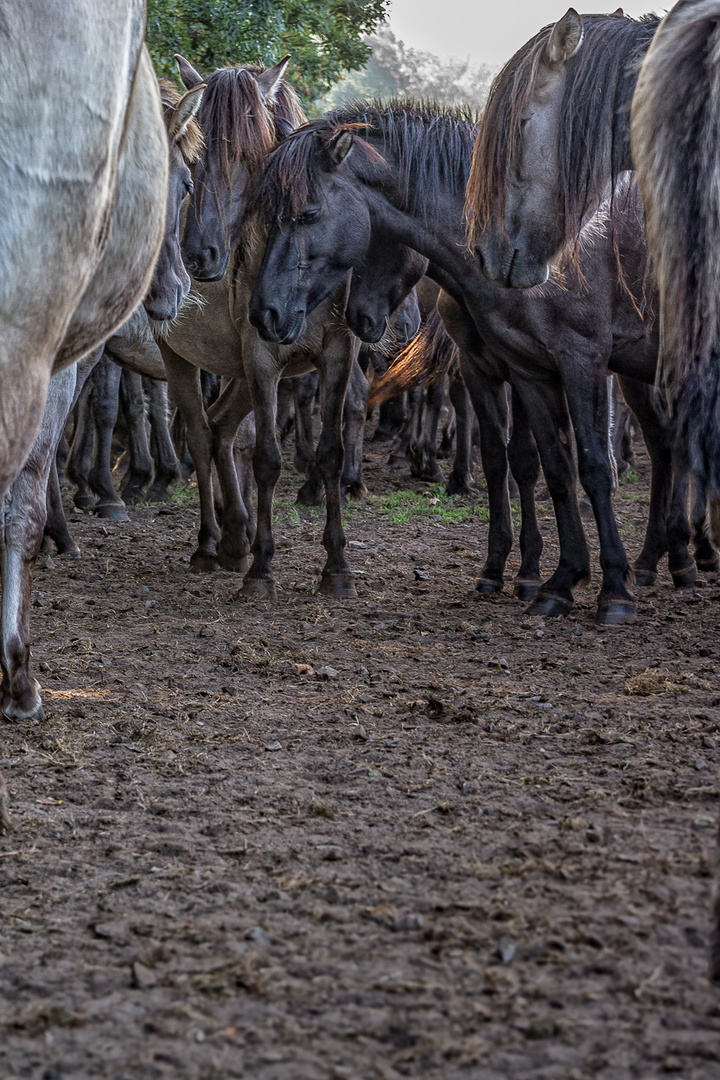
(704, 531)
(79, 460)
(459, 479)
(56, 528)
(24, 512)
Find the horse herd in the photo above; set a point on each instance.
(571, 231)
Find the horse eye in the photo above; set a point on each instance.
(189, 187)
(309, 216)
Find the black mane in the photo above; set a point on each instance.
(430, 147)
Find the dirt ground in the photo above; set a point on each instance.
(469, 844)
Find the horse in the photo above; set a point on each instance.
(23, 507)
(327, 189)
(552, 141)
(676, 151)
(245, 111)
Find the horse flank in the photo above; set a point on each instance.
(593, 140)
(676, 148)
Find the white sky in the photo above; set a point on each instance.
(485, 31)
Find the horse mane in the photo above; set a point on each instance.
(191, 141)
(237, 123)
(593, 145)
(676, 149)
(430, 144)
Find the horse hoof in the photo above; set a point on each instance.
(355, 491)
(200, 563)
(309, 497)
(73, 552)
(111, 511)
(338, 586)
(488, 586)
(708, 565)
(158, 494)
(133, 495)
(526, 588)
(683, 579)
(458, 487)
(14, 712)
(235, 564)
(645, 578)
(547, 604)
(616, 613)
(84, 502)
(258, 589)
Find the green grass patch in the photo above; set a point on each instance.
(630, 477)
(185, 495)
(434, 504)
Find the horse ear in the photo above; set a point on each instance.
(185, 109)
(619, 12)
(190, 77)
(269, 80)
(565, 39)
(338, 148)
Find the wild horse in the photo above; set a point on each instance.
(245, 112)
(326, 189)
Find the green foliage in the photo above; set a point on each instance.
(323, 37)
(394, 70)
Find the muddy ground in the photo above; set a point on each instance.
(470, 845)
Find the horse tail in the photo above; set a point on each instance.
(422, 363)
(676, 150)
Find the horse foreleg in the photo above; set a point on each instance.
(525, 465)
(585, 382)
(225, 418)
(423, 454)
(185, 388)
(459, 481)
(79, 461)
(167, 467)
(263, 379)
(104, 410)
(23, 519)
(56, 527)
(335, 366)
(356, 401)
(304, 389)
(140, 468)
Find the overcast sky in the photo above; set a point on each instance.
(486, 31)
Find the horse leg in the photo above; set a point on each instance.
(391, 417)
(525, 465)
(244, 450)
(459, 480)
(489, 400)
(400, 449)
(305, 387)
(706, 554)
(286, 408)
(24, 512)
(358, 391)
(587, 398)
(79, 461)
(639, 398)
(546, 409)
(104, 410)
(56, 526)
(425, 466)
(263, 379)
(185, 388)
(140, 468)
(167, 468)
(225, 417)
(335, 366)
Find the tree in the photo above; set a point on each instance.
(394, 70)
(325, 38)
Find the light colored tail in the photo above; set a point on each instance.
(425, 360)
